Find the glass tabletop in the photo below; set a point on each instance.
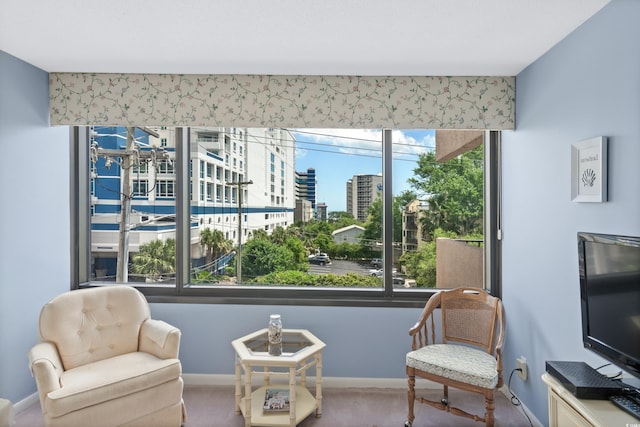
(292, 343)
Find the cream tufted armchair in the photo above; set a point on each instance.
(464, 352)
(102, 361)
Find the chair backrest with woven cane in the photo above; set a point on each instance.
(457, 342)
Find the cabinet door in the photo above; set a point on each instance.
(563, 415)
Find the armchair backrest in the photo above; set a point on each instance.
(88, 325)
(471, 317)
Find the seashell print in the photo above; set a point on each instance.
(588, 178)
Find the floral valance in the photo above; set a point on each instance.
(283, 101)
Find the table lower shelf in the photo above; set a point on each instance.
(305, 405)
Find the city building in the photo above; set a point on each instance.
(411, 229)
(362, 190)
(306, 184)
(303, 211)
(321, 212)
(349, 234)
(230, 167)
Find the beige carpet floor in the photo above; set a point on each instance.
(213, 406)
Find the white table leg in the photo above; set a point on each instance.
(247, 396)
(238, 386)
(318, 385)
(292, 397)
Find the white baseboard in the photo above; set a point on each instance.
(26, 402)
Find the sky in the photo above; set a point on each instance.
(339, 154)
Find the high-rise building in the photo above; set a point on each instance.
(226, 163)
(306, 184)
(362, 190)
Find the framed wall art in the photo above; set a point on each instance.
(589, 170)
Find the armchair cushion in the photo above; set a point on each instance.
(100, 381)
(456, 362)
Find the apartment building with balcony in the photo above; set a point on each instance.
(411, 229)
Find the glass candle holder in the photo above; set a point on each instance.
(275, 335)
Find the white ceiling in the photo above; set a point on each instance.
(308, 37)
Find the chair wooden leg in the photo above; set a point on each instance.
(490, 406)
(411, 394)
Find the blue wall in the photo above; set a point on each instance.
(587, 85)
(34, 216)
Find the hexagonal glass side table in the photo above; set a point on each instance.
(301, 350)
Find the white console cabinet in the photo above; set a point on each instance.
(566, 410)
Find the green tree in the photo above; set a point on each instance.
(453, 190)
(279, 235)
(341, 219)
(323, 242)
(299, 253)
(421, 264)
(155, 258)
(260, 234)
(215, 243)
(260, 257)
(373, 226)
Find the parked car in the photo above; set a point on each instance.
(376, 262)
(396, 278)
(320, 259)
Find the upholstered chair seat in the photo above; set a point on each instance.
(456, 362)
(102, 361)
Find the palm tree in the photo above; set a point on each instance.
(215, 243)
(155, 259)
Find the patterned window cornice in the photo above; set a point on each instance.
(364, 102)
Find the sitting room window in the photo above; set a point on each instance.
(347, 196)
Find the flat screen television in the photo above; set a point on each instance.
(609, 268)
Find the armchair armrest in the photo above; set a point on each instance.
(46, 367)
(420, 331)
(160, 339)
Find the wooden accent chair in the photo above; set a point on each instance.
(465, 353)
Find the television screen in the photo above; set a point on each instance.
(610, 297)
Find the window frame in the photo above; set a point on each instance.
(182, 292)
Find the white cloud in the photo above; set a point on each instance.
(363, 142)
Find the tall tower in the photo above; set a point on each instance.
(306, 186)
(362, 190)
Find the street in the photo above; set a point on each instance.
(341, 267)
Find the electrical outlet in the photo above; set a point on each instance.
(521, 363)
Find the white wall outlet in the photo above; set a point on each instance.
(521, 364)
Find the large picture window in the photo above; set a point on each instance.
(355, 216)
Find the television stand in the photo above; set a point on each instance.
(565, 409)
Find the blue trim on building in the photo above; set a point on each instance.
(215, 156)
